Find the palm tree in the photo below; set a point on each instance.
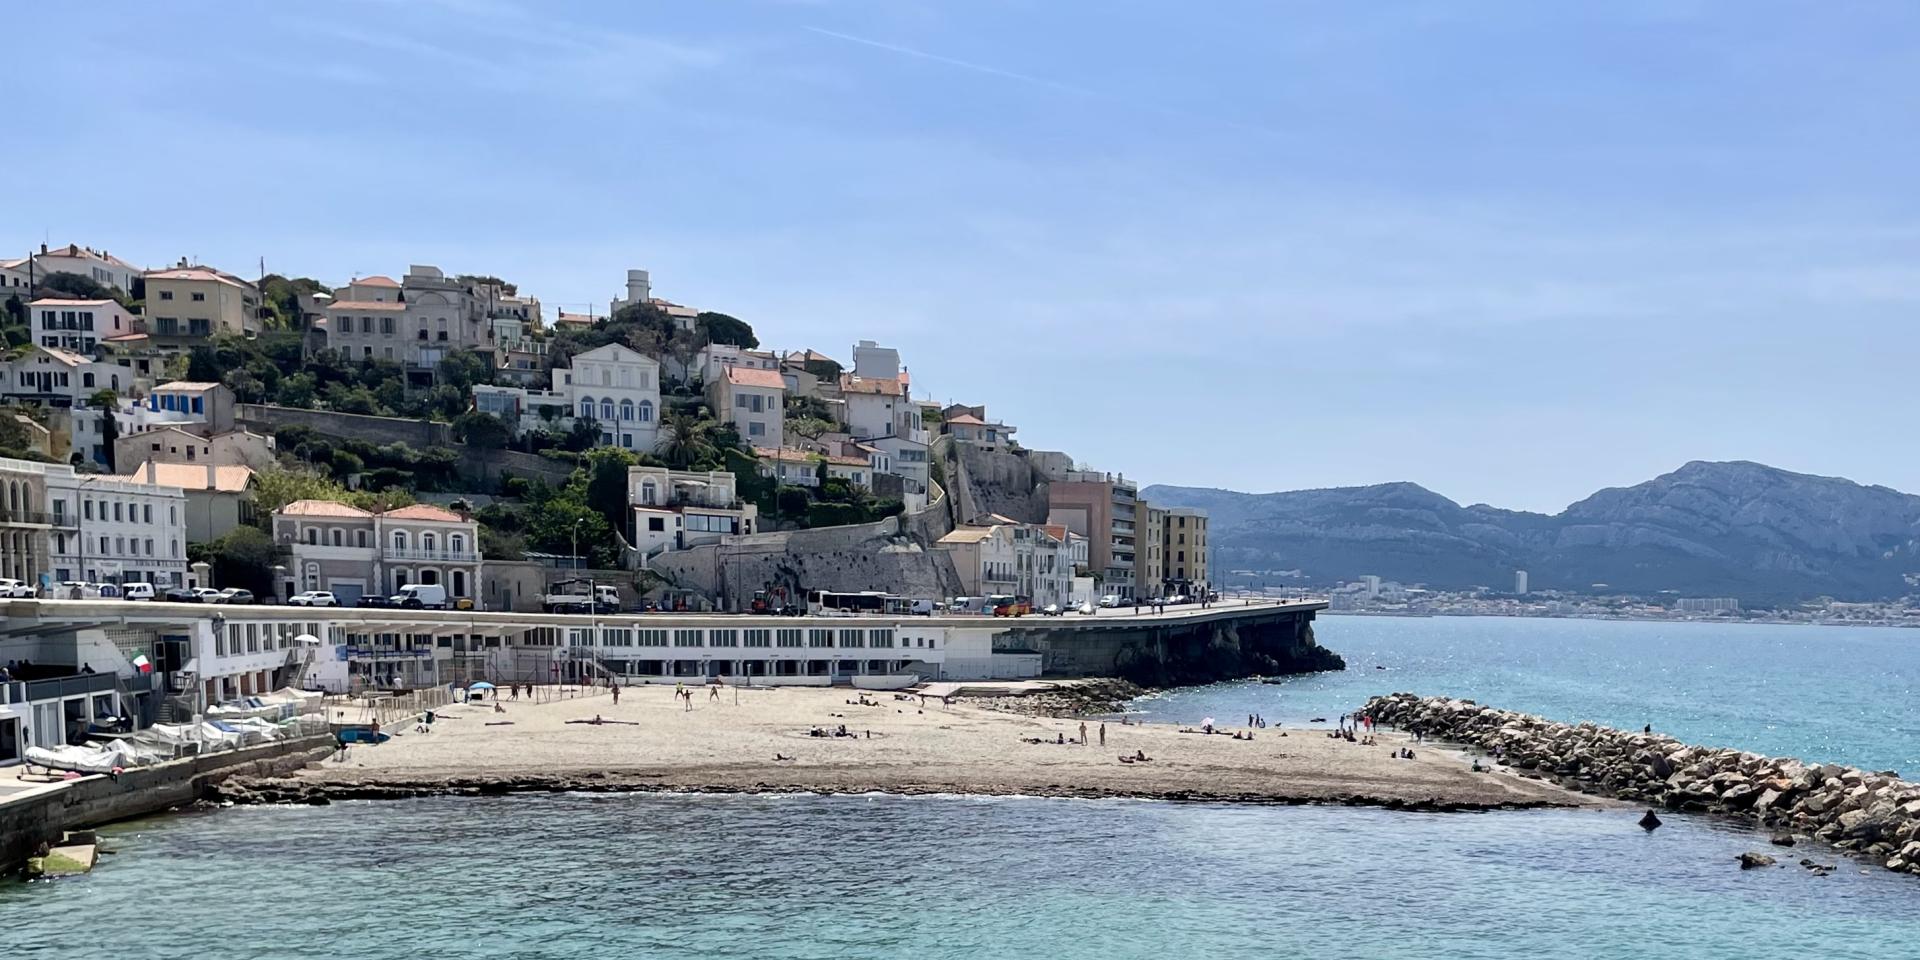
(684, 439)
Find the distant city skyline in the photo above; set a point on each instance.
(1514, 255)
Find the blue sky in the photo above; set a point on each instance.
(1511, 251)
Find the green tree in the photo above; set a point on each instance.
(721, 328)
(75, 286)
(203, 366)
(482, 431)
(245, 558)
(606, 488)
(462, 369)
(684, 439)
(104, 401)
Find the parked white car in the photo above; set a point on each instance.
(207, 594)
(17, 588)
(1110, 600)
(314, 598)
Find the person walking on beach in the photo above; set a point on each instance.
(713, 692)
(1103, 733)
(616, 692)
(1083, 733)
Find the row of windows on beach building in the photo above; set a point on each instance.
(817, 638)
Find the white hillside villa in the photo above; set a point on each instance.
(616, 387)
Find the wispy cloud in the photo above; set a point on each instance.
(1049, 84)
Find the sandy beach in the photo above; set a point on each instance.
(729, 743)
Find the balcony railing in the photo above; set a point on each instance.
(26, 516)
(442, 556)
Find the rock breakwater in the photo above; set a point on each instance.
(1874, 815)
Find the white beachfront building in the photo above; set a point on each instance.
(616, 387)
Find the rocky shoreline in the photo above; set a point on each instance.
(1076, 698)
(317, 792)
(1875, 816)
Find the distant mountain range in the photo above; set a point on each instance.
(1734, 529)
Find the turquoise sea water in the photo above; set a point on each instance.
(610, 876)
(1833, 694)
(615, 876)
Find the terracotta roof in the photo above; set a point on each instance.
(566, 317)
(968, 419)
(375, 281)
(967, 534)
(424, 511)
(784, 453)
(349, 305)
(849, 461)
(1058, 531)
(193, 476)
(199, 273)
(803, 356)
(877, 386)
(751, 377)
(67, 357)
(77, 252)
(64, 302)
(323, 508)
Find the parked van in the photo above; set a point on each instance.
(138, 591)
(417, 596)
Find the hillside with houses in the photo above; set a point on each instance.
(355, 437)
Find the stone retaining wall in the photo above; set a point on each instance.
(1875, 815)
(91, 801)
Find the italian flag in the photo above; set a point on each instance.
(141, 663)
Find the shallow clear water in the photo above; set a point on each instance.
(609, 876)
(1832, 694)
(602, 876)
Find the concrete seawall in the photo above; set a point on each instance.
(1874, 815)
(1223, 643)
(39, 815)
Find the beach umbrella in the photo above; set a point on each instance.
(480, 685)
(307, 640)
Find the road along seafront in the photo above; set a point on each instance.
(790, 739)
(1875, 816)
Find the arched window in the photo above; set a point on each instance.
(339, 537)
(116, 377)
(457, 543)
(586, 407)
(399, 539)
(647, 492)
(361, 538)
(646, 411)
(626, 410)
(606, 410)
(426, 541)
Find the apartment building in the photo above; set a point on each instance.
(997, 556)
(182, 445)
(1103, 507)
(416, 321)
(675, 509)
(754, 402)
(77, 325)
(57, 377)
(188, 303)
(353, 552)
(972, 425)
(109, 529)
(1150, 573)
(1185, 539)
(26, 521)
(219, 499)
